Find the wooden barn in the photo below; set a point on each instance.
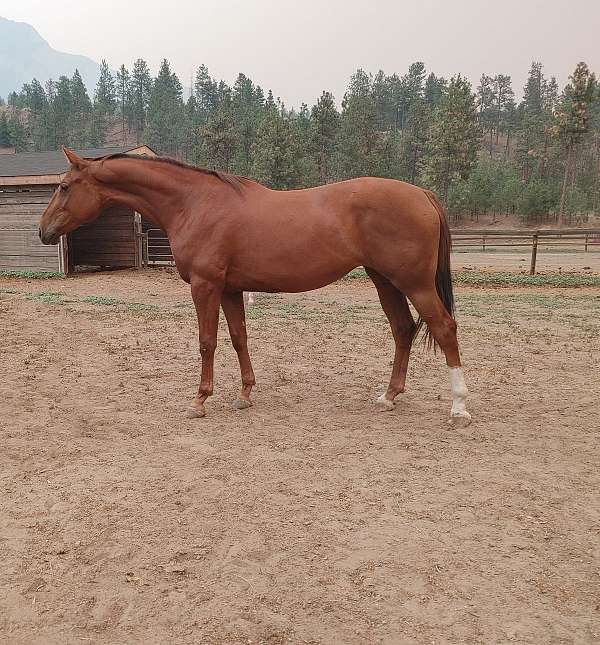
(118, 238)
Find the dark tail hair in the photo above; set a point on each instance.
(443, 275)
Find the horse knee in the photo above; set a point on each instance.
(207, 347)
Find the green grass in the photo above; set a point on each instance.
(498, 279)
(32, 275)
(356, 274)
(47, 297)
(106, 301)
(485, 278)
(103, 300)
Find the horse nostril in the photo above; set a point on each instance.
(40, 232)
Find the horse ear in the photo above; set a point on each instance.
(75, 160)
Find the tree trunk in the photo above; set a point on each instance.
(569, 161)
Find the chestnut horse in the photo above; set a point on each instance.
(229, 235)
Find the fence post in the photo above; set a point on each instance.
(533, 254)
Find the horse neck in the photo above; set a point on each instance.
(156, 190)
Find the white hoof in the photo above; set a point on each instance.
(459, 419)
(383, 404)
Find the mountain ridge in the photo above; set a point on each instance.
(24, 55)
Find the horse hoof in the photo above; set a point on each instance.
(241, 404)
(384, 405)
(194, 413)
(460, 420)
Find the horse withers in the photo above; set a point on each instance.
(229, 234)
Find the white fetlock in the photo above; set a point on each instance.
(459, 417)
(383, 404)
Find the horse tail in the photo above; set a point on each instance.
(443, 275)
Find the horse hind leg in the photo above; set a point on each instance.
(403, 328)
(233, 308)
(442, 327)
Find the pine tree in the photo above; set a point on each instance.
(358, 138)
(105, 97)
(534, 122)
(79, 113)
(105, 102)
(4, 130)
(504, 105)
(302, 131)
(247, 109)
(217, 141)
(486, 100)
(206, 94)
(435, 88)
(325, 128)
(123, 99)
(35, 97)
(275, 154)
(166, 113)
(384, 102)
(454, 138)
(17, 132)
(414, 144)
(574, 121)
(60, 121)
(411, 89)
(140, 91)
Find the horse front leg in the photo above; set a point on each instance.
(207, 299)
(233, 308)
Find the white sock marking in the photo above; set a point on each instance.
(459, 392)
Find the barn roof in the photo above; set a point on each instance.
(53, 162)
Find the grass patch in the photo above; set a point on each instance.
(106, 301)
(356, 274)
(499, 279)
(33, 275)
(484, 279)
(47, 297)
(103, 300)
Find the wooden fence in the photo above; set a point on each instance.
(584, 239)
(156, 249)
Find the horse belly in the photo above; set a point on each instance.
(290, 272)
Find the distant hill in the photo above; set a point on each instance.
(24, 55)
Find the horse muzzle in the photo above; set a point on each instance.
(48, 237)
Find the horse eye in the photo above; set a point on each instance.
(64, 186)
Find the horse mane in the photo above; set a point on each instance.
(236, 182)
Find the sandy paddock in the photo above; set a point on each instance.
(309, 518)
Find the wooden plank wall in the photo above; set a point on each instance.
(108, 241)
(20, 246)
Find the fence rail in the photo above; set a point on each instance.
(156, 249)
(565, 238)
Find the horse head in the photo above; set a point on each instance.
(77, 200)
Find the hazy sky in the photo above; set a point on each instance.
(300, 48)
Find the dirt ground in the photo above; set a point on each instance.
(309, 518)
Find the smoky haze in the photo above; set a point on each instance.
(298, 49)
